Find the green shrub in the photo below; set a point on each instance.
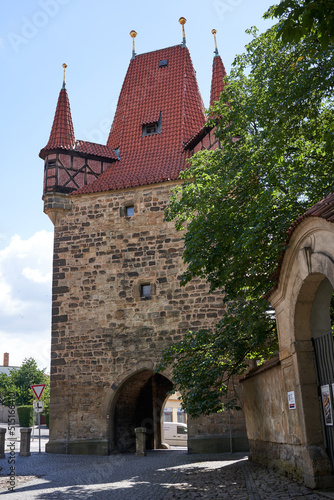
(25, 415)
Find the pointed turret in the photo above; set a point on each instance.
(218, 74)
(62, 132)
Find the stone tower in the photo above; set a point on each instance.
(116, 295)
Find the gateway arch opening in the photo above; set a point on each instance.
(138, 403)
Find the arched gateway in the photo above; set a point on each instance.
(138, 403)
(289, 401)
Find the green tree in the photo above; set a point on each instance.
(276, 129)
(6, 388)
(305, 18)
(19, 381)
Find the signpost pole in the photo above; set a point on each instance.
(38, 390)
(39, 429)
(33, 422)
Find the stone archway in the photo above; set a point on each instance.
(311, 323)
(323, 346)
(138, 402)
(281, 399)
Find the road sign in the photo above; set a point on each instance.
(38, 406)
(38, 390)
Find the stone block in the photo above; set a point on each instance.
(25, 442)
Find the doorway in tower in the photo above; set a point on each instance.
(138, 403)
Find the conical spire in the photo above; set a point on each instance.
(218, 74)
(62, 132)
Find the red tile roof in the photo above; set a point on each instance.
(150, 117)
(62, 132)
(217, 82)
(148, 90)
(217, 87)
(92, 149)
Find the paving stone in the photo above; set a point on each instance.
(161, 475)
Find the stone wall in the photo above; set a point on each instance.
(223, 433)
(275, 432)
(103, 331)
(4, 415)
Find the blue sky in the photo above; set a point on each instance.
(92, 38)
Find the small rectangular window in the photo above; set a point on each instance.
(181, 416)
(130, 211)
(145, 291)
(163, 63)
(168, 415)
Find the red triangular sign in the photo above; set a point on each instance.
(38, 389)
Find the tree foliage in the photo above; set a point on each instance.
(305, 18)
(19, 380)
(275, 124)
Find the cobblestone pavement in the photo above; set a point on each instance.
(163, 474)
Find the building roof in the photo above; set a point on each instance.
(7, 369)
(150, 93)
(217, 82)
(93, 149)
(62, 132)
(159, 90)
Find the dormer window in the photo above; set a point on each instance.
(163, 63)
(152, 125)
(150, 129)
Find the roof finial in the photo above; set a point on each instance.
(183, 21)
(64, 66)
(216, 48)
(133, 35)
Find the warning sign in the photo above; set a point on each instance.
(38, 390)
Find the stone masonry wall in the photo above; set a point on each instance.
(102, 330)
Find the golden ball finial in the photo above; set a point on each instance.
(183, 21)
(64, 66)
(133, 35)
(214, 36)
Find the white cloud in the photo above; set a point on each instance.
(36, 275)
(25, 298)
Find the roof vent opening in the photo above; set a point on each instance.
(163, 63)
(152, 127)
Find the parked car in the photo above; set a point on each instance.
(176, 434)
